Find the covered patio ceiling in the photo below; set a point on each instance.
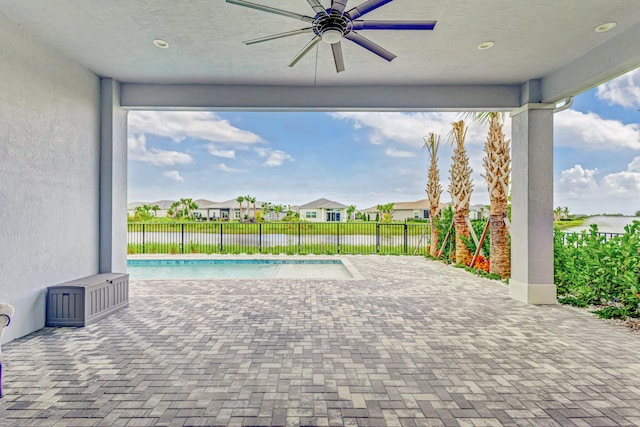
(544, 40)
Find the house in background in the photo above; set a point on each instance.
(419, 209)
(163, 207)
(322, 210)
(403, 211)
(228, 210)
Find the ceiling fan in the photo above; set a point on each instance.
(334, 24)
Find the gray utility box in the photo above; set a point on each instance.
(83, 301)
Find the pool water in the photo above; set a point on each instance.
(237, 269)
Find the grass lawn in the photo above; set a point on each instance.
(569, 223)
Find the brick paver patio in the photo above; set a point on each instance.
(414, 343)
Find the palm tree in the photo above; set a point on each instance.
(278, 210)
(497, 165)
(388, 210)
(155, 209)
(240, 199)
(172, 212)
(247, 198)
(460, 187)
(434, 189)
(350, 210)
(188, 206)
(251, 199)
(266, 209)
(557, 213)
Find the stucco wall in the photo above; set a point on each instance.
(49, 173)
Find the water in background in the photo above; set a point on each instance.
(606, 224)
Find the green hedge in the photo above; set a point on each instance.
(593, 271)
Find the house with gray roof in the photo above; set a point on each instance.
(323, 210)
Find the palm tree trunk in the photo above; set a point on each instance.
(500, 251)
(434, 244)
(463, 254)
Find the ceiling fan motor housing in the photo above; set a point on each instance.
(332, 26)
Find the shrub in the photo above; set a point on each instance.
(593, 271)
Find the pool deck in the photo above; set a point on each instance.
(412, 343)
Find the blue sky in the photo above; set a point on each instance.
(367, 158)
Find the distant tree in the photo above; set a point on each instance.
(637, 213)
(368, 217)
(350, 210)
(142, 213)
(252, 200)
(291, 215)
(266, 209)
(155, 209)
(388, 208)
(240, 199)
(248, 200)
(385, 212)
(278, 209)
(182, 209)
(565, 212)
(557, 213)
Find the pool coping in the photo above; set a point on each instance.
(356, 275)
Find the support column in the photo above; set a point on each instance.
(113, 180)
(532, 205)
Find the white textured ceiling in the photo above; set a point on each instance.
(533, 39)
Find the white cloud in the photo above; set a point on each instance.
(225, 168)
(179, 125)
(411, 128)
(215, 151)
(589, 131)
(274, 157)
(612, 193)
(578, 182)
(392, 152)
(175, 175)
(623, 185)
(138, 151)
(624, 90)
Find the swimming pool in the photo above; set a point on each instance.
(158, 269)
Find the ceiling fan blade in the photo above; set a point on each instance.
(317, 7)
(270, 9)
(305, 50)
(394, 25)
(366, 7)
(279, 36)
(370, 46)
(339, 5)
(337, 56)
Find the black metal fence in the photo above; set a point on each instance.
(278, 237)
(607, 236)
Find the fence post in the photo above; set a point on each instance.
(338, 231)
(299, 243)
(406, 238)
(143, 249)
(221, 237)
(377, 237)
(260, 237)
(182, 239)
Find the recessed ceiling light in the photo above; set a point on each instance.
(605, 27)
(161, 43)
(485, 45)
